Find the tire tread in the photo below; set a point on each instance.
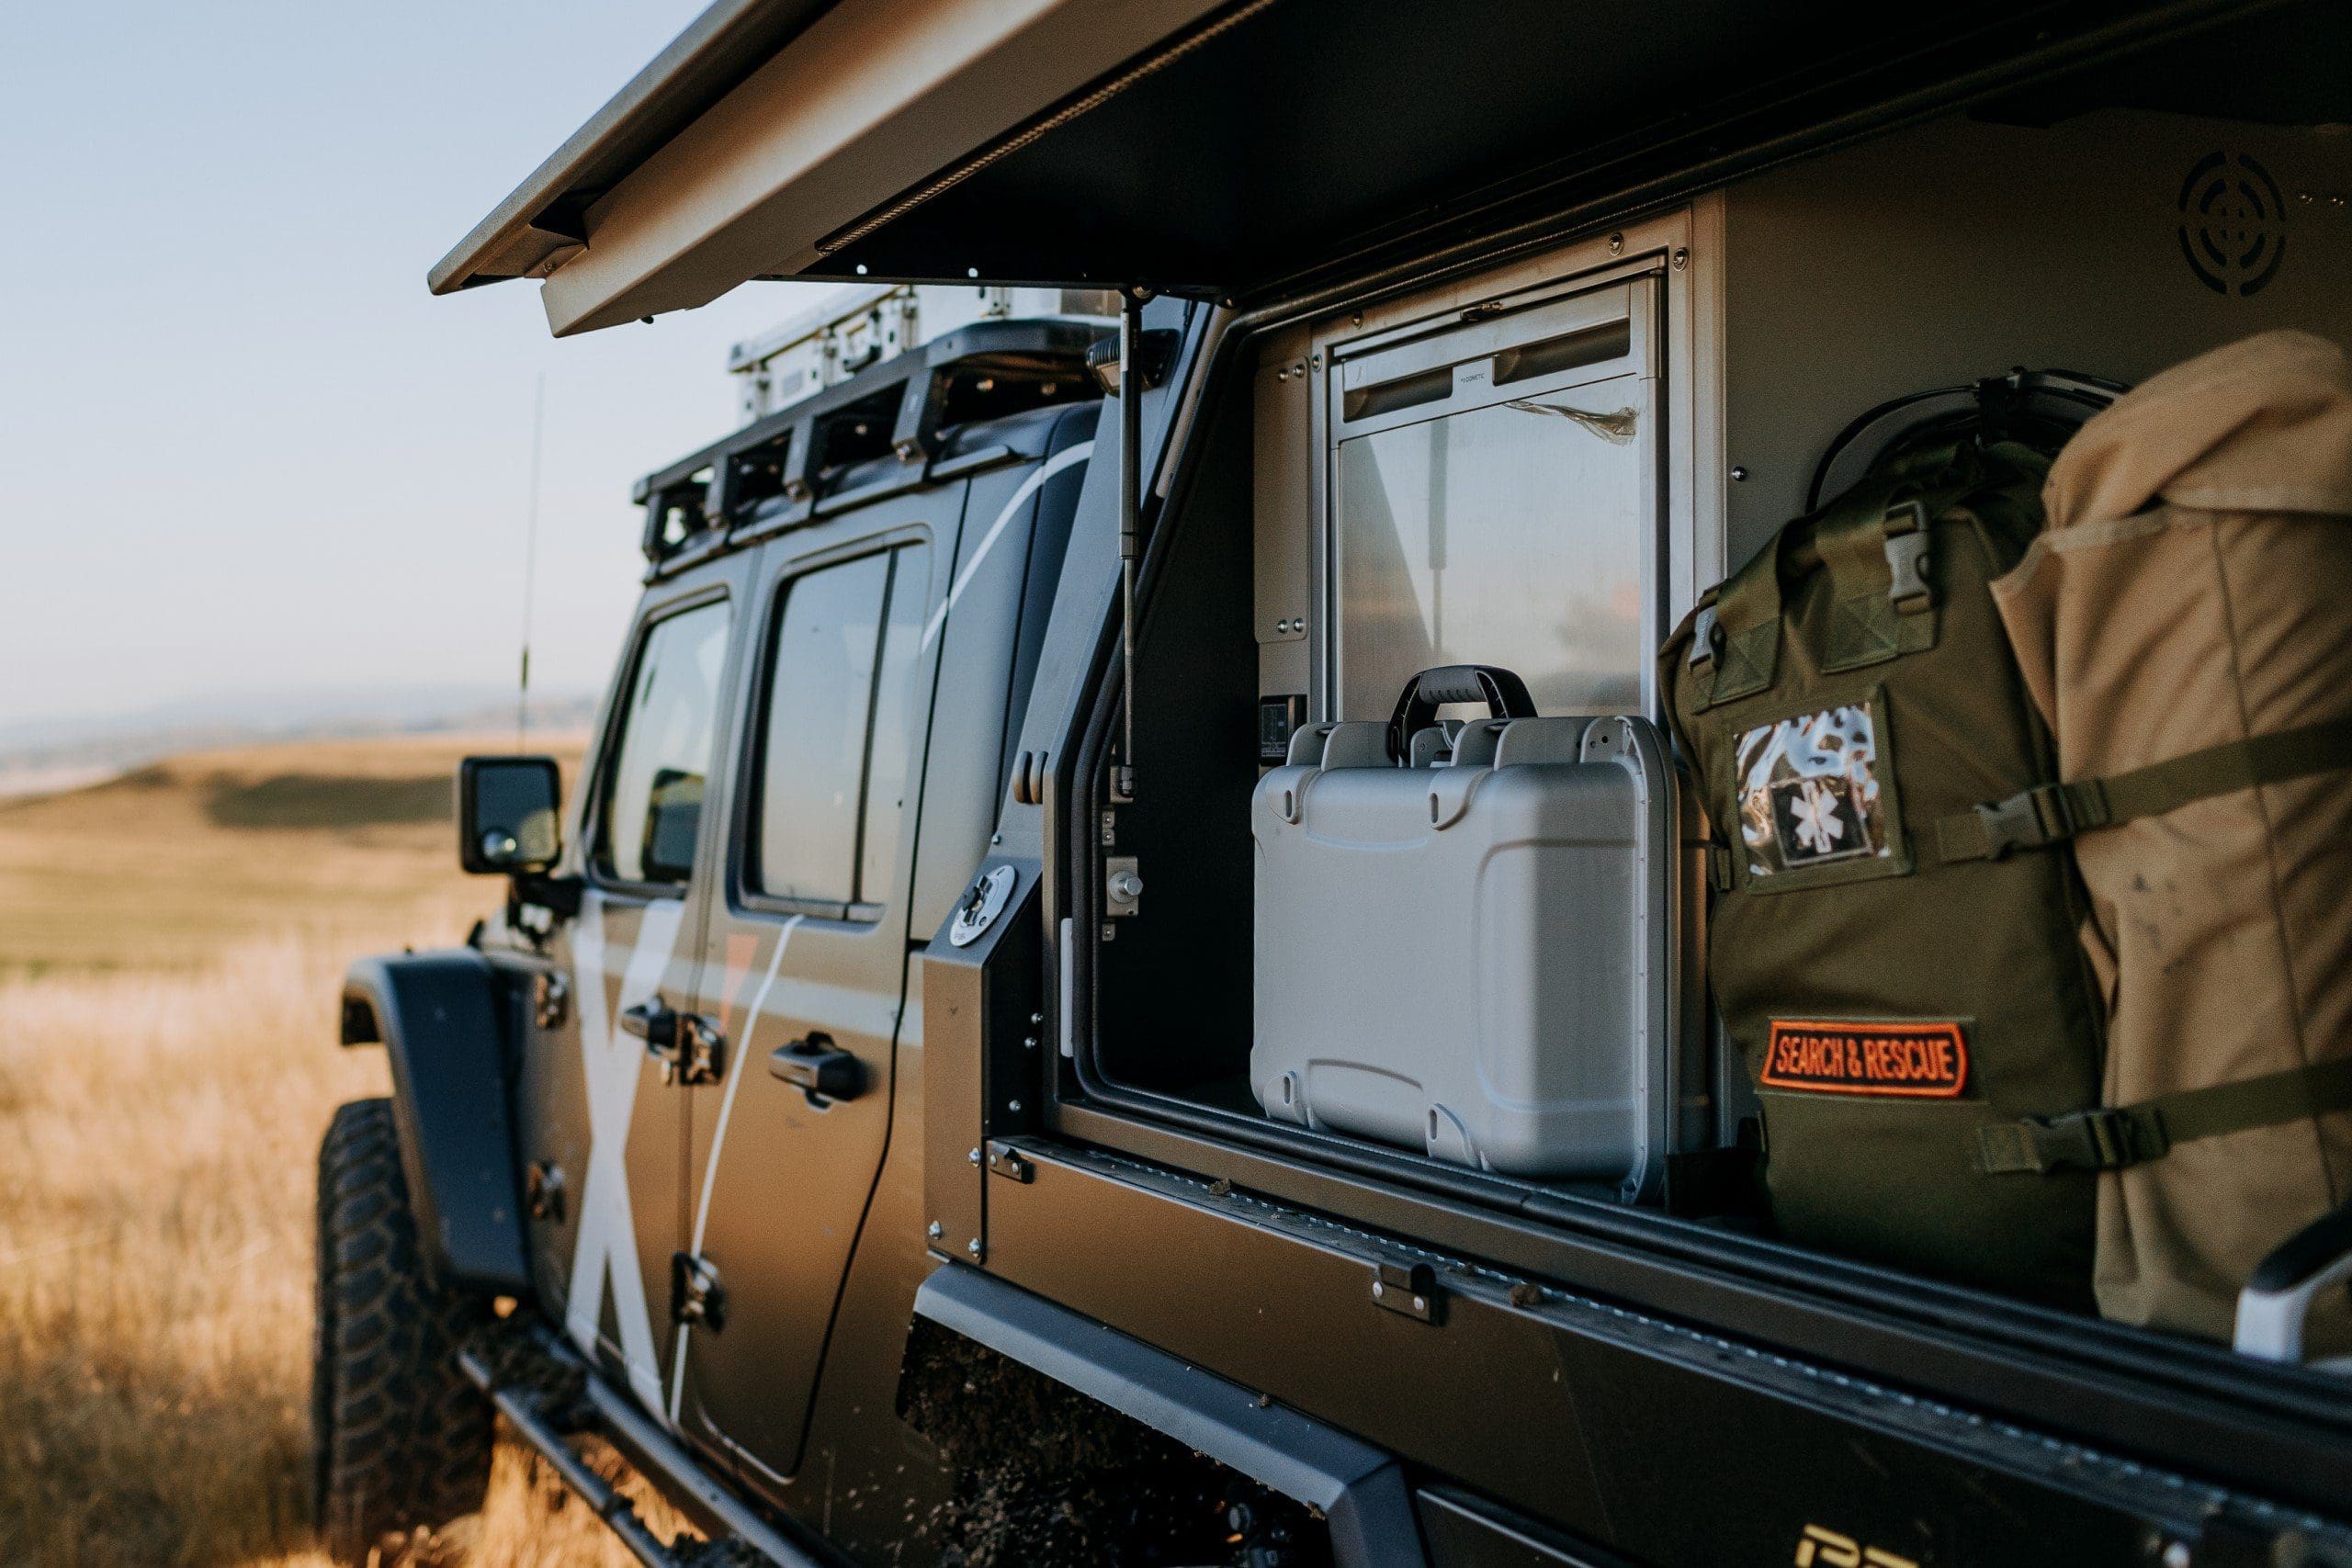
(400, 1439)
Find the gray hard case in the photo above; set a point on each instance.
(1476, 954)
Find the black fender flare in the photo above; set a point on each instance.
(437, 1015)
(1360, 1489)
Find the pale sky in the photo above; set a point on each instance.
(242, 450)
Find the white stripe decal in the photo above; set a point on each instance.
(738, 1070)
(605, 1250)
(1029, 487)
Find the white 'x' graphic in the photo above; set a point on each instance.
(611, 1064)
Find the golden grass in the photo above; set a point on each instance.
(167, 987)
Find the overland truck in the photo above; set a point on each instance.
(1542, 865)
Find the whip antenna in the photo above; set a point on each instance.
(530, 561)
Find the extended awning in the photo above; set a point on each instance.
(1227, 150)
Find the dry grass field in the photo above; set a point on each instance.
(170, 948)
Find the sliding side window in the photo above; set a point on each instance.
(833, 741)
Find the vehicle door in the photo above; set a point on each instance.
(601, 1121)
(805, 963)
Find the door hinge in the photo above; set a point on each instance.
(1410, 1289)
(1012, 1163)
(550, 999)
(688, 1045)
(543, 1190)
(700, 1050)
(696, 1294)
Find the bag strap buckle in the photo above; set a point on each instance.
(2038, 817)
(2110, 1138)
(1906, 558)
(1706, 637)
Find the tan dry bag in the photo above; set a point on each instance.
(2186, 627)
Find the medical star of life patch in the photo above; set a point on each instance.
(1809, 790)
(1923, 1061)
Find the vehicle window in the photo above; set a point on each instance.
(1510, 535)
(834, 743)
(653, 786)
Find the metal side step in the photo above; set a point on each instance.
(547, 1394)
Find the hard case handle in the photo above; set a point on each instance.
(1504, 694)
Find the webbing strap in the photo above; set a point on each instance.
(1881, 600)
(2116, 1136)
(1735, 643)
(2053, 812)
(1873, 543)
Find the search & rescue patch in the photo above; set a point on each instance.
(1919, 1060)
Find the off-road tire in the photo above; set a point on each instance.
(400, 1439)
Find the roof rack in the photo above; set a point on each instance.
(819, 456)
(854, 328)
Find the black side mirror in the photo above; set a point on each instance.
(509, 814)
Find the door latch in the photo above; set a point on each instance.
(818, 1067)
(1122, 887)
(696, 1294)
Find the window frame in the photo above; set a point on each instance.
(1435, 330)
(608, 746)
(743, 895)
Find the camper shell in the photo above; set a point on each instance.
(997, 1105)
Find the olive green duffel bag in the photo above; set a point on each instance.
(1843, 693)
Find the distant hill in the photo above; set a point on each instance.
(173, 860)
(42, 756)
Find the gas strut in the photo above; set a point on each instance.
(1132, 301)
